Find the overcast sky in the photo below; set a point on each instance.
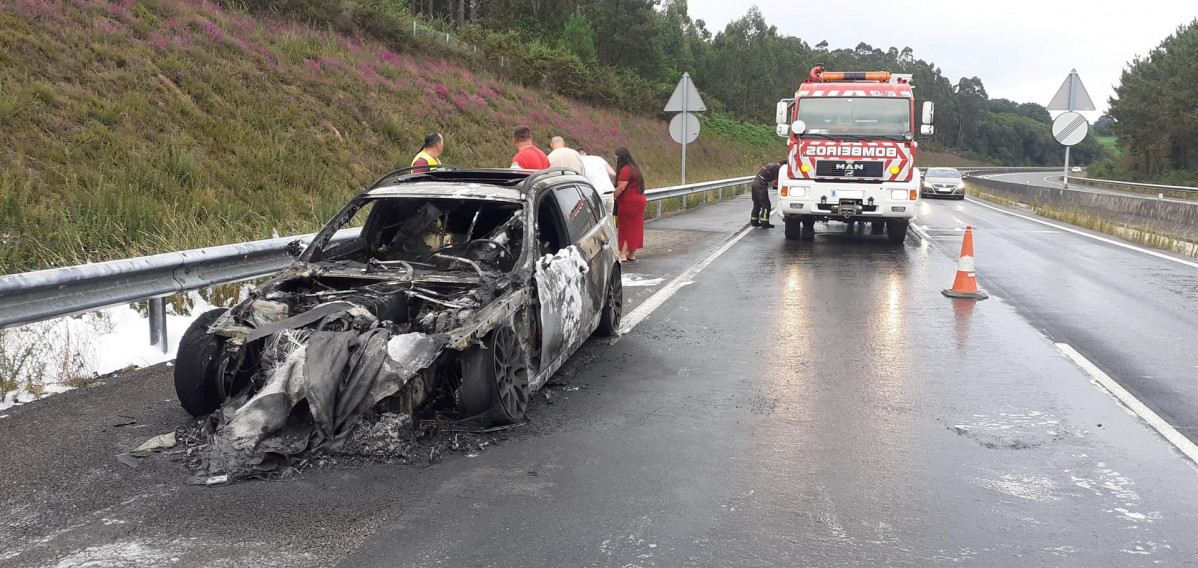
(1021, 50)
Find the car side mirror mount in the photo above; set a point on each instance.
(295, 248)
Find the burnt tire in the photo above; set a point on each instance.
(613, 305)
(197, 365)
(495, 379)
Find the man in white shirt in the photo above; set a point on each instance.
(602, 176)
(561, 156)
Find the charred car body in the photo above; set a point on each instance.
(467, 288)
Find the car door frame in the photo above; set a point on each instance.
(555, 272)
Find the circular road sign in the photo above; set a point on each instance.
(692, 127)
(1069, 128)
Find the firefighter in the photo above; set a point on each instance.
(761, 195)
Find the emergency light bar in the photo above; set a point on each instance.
(818, 74)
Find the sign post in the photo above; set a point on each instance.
(684, 128)
(1070, 127)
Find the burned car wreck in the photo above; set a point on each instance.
(462, 290)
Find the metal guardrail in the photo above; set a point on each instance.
(1135, 185)
(44, 294)
(661, 194)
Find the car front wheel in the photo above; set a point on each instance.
(495, 379)
(197, 366)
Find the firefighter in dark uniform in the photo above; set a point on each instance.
(761, 195)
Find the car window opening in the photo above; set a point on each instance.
(409, 233)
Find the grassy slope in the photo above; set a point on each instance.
(140, 126)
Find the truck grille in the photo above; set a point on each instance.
(844, 168)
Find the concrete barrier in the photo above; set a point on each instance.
(1171, 218)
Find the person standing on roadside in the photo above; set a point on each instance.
(630, 202)
(761, 194)
(528, 156)
(429, 154)
(562, 156)
(602, 178)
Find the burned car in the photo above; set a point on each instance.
(462, 289)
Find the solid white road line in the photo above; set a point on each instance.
(658, 298)
(1087, 235)
(1183, 444)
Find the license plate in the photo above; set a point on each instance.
(849, 194)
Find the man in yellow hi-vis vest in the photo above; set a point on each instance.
(429, 154)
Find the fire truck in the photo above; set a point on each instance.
(851, 152)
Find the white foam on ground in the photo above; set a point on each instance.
(635, 280)
(88, 345)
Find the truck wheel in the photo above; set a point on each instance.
(197, 363)
(495, 379)
(896, 230)
(613, 306)
(808, 230)
(794, 228)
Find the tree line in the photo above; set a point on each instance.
(629, 54)
(1154, 114)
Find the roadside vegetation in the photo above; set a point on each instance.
(1152, 116)
(140, 126)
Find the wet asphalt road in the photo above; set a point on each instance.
(1132, 314)
(798, 404)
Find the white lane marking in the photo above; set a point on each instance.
(1087, 235)
(919, 231)
(658, 298)
(1183, 444)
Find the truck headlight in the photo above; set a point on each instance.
(898, 194)
(798, 191)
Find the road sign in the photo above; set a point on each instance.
(1072, 95)
(686, 97)
(684, 135)
(1069, 128)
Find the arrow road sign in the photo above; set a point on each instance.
(1072, 95)
(685, 95)
(1069, 128)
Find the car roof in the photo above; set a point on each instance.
(453, 183)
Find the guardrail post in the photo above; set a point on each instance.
(719, 193)
(158, 323)
(659, 208)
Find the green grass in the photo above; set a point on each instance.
(133, 128)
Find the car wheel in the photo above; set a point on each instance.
(197, 365)
(613, 306)
(495, 379)
(896, 230)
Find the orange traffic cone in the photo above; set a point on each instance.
(966, 284)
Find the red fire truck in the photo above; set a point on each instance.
(851, 152)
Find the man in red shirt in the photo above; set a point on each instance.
(528, 156)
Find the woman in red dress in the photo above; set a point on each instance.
(630, 205)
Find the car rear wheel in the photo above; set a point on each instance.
(495, 379)
(197, 366)
(613, 306)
